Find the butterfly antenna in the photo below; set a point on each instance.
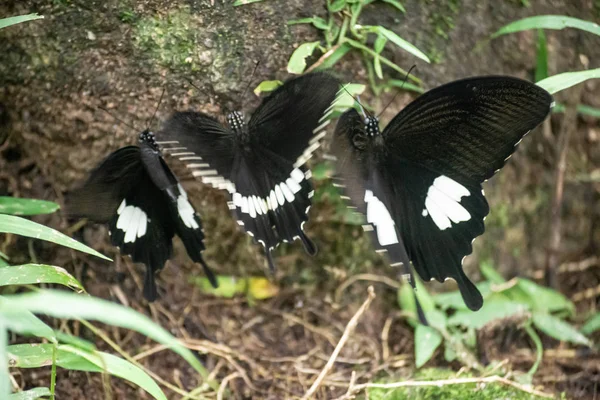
(149, 124)
(365, 112)
(118, 119)
(194, 86)
(397, 91)
(250, 82)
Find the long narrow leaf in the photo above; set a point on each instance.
(61, 304)
(332, 57)
(541, 68)
(558, 329)
(37, 273)
(565, 80)
(398, 41)
(16, 206)
(18, 19)
(69, 357)
(31, 394)
(25, 227)
(556, 22)
(592, 325)
(24, 322)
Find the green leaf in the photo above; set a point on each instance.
(398, 41)
(244, 2)
(332, 58)
(62, 304)
(377, 67)
(4, 22)
(396, 4)
(542, 298)
(488, 271)
(427, 340)
(335, 5)
(592, 325)
(16, 206)
(497, 306)
(344, 99)
(581, 109)
(37, 273)
(406, 299)
(405, 85)
(556, 22)
(258, 287)
(541, 68)
(297, 63)
(72, 358)
(379, 43)
(454, 299)
(267, 86)
(30, 394)
(24, 323)
(565, 80)
(317, 22)
(558, 329)
(25, 227)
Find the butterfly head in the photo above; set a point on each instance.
(148, 137)
(236, 121)
(371, 126)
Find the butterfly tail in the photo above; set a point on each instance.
(309, 246)
(469, 292)
(270, 261)
(150, 290)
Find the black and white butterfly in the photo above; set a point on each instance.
(260, 163)
(135, 192)
(419, 181)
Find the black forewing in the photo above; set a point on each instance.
(203, 144)
(106, 186)
(356, 172)
(468, 128)
(183, 218)
(288, 121)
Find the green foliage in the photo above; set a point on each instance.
(556, 22)
(5, 22)
(556, 83)
(592, 325)
(31, 394)
(343, 34)
(565, 80)
(24, 227)
(267, 86)
(73, 358)
(458, 391)
(243, 2)
(530, 304)
(15, 206)
(17, 314)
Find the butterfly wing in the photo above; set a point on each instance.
(362, 185)
(288, 121)
(183, 218)
(121, 192)
(107, 185)
(203, 144)
(467, 129)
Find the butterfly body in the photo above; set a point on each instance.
(261, 162)
(135, 192)
(419, 181)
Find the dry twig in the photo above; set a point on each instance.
(347, 332)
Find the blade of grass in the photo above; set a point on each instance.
(31, 394)
(61, 304)
(16, 206)
(25, 227)
(541, 68)
(556, 22)
(565, 80)
(18, 19)
(37, 273)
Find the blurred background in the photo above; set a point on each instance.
(269, 337)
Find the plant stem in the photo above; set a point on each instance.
(384, 60)
(53, 371)
(4, 381)
(538, 347)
